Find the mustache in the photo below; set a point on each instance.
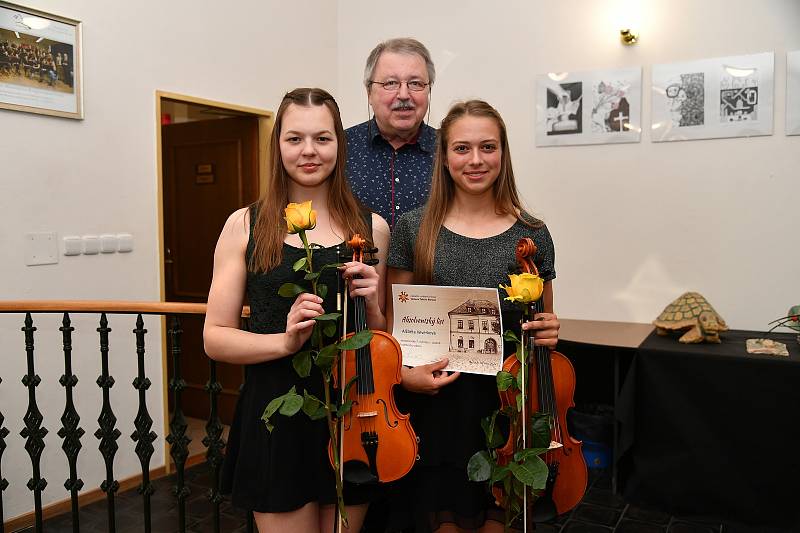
(403, 105)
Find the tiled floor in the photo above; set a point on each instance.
(600, 511)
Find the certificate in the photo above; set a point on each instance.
(460, 323)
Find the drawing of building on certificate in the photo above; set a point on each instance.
(462, 324)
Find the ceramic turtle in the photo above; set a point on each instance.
(691, 312)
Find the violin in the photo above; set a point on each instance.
(377, 442)
(549, 389)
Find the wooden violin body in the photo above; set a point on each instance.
(566, 463)
(379, 443)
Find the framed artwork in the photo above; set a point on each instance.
(40, 62)
(713, 98)
(793, 93)
(592, 107)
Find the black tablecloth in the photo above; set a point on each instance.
(708, 429)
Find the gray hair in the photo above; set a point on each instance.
(403, 45)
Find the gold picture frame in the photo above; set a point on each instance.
(40, 62)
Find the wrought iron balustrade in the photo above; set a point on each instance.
(107, 431)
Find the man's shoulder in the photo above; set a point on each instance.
(357, 130)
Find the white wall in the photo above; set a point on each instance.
(99, 175)
(635, 225)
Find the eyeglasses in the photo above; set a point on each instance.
(394, 85)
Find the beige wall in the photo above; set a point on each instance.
(636, 224)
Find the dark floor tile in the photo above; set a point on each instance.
(548, 528)
(634, 526)
(576, 526)
(646, 515)
(597, 515)
(692, 527)
(604, 498)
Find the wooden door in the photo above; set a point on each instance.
(210, 170)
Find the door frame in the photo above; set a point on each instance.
(266, 121)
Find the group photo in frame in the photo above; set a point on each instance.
(713, 98)
(40, 62)
(793, 93)
(590, 107)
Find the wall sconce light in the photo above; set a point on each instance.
(628, 36)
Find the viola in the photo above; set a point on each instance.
(377, 442)
(550, 389)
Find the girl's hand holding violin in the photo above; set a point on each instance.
(545, 328)
(363, 280)
(300, 321)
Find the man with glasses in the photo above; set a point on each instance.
(390, 156)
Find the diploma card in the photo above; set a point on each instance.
(460, 323)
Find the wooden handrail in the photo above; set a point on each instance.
(106, 306)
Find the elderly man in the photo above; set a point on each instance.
(389, 157)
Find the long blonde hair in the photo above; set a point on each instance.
(269, 230)
(506, 197)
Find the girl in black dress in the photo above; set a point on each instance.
(284, 476)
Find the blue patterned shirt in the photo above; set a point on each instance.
(389, 181)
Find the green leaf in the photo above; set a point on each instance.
(524, 455)
(329, 329)
(349, 384)
(492, 433)
(322, 290)
(504, 380)
(290, 290)
(532, 472)
(499, 472)
(344, 408)
(311, 276)
(328, 316)
(300, 263)
(540, 430)
(518, 378)
(479, 467)
(357, 341)
(327, 356)
(302, 363)
(510, 336)
(519, 403)
(272, 406)
(313, 406)
(292, 404)
(316, 335)
(331, 265)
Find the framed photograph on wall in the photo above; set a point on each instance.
(793, 93)
(713, 98)
(40, 62)
(592, 107)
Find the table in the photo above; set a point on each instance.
(707, 429)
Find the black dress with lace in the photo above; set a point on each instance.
(288, 468)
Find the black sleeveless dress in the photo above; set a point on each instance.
(288, 468)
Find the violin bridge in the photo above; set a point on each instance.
(367, 414)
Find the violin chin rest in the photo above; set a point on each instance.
(359, 473)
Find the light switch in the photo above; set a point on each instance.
(125, 241)
(41, 249)
(91, 244)
(73, 245)
(108, 243)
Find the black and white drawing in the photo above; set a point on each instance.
(687, 100)
(591, 107)
(713, 98)
(564, 108)
(738, 95)
(793, 93)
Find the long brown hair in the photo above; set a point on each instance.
(506, 197)
(269, 230)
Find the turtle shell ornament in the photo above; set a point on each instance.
(691, 312)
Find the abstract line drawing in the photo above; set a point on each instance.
(611, 111)
(738, 95)
(687, 100)
(565, 109)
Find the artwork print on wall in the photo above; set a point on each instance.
(793, 93)
(593, 107)
(711, 98)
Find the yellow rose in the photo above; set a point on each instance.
(525, 288)
(300, 217)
